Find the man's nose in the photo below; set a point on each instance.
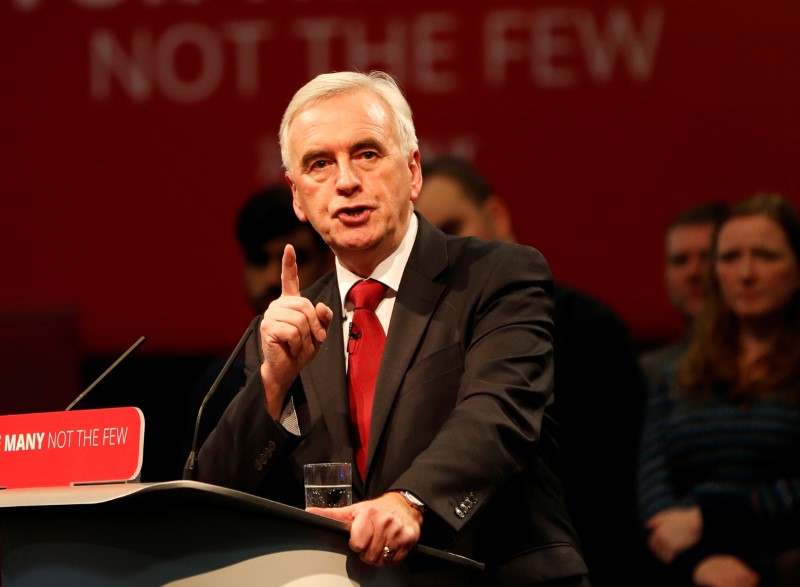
(270, 272)
(697, 268)
(347, 179)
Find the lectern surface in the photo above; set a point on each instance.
(186, 533)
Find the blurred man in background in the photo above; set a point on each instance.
(687, 246)
(598, 388)
(264, 225)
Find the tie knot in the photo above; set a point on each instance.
(367, 294)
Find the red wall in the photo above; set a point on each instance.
(132, 131)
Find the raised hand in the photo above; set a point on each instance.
(292, 331)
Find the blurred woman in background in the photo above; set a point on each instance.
(719, 471)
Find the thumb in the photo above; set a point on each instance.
(325, 317)
(344, 514)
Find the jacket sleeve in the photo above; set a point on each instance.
(505, 361)
(248, 445)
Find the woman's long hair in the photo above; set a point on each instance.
(711, 364)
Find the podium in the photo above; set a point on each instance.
(187, 533)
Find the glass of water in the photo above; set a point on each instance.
(328, 485)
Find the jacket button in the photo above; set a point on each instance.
(460, 513)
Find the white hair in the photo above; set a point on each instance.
(327, 85)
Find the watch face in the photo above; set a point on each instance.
(414, 501)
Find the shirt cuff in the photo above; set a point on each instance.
(288, 419)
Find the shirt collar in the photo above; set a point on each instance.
(389, 271)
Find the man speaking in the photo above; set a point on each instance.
(424, 360)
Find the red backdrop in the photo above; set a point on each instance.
(133, 130)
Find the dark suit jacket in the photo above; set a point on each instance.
(458, 413)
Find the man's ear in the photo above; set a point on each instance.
(497, 210)
(415, 168)
(298, 209)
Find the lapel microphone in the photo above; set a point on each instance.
(113, 366)
(191, 462)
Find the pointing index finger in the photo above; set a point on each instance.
(290, 281)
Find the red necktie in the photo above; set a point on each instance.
(364, 347)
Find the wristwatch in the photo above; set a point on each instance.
(414, 501)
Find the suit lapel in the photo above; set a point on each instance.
(324, 379)
(416, 300)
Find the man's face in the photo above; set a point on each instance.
(350, 179)
(262, 282)
(444, 204)
(686, 271)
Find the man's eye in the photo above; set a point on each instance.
(678, 260)
(369, 154)
(303, 256)
(320, 164)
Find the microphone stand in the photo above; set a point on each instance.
(191, 462)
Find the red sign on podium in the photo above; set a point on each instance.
(52, 449)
